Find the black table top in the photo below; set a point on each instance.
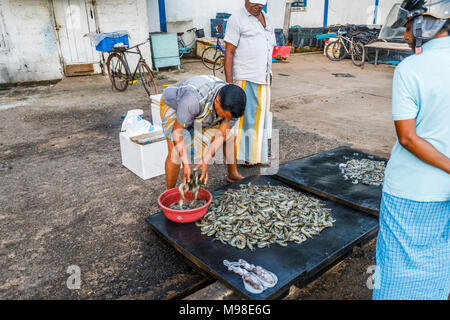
(320, 174)
(293, 264)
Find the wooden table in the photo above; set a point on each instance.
(387, 46)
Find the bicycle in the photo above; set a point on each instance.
(120, 74)
(182, 47)
(211, 53)
(218, 67)
(343, 46)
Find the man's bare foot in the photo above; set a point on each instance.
(234, 177)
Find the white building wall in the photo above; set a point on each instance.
(342, 12)
(32, 51)
(358, 11)
(153, 16)
(276, 10)
(383, 10)
(181, 17)
(130, 15)
(312, 17)
(354, 12)
(198, 13)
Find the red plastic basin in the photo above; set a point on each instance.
(169, 197)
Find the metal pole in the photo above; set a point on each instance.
(375, 14)
(287, 19)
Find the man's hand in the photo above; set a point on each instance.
(205, 167)
(421, 148)
(229, 60)
(186, 173)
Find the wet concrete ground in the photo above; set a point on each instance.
(66, 199)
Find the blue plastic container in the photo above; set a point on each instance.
(279, 35)
(107, 44)
(326, 36)
(223, 15)
(218, 28)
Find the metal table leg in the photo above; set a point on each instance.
(376, 56)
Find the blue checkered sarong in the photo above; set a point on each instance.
(413, 250)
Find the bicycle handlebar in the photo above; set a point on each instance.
(193, 29)
(140, 44)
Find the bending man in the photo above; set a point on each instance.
(197, 115)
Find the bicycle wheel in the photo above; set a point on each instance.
(218, 67)
(335, 51)
(117, 71)
(210, 55)
(358, 54)
(147, 79)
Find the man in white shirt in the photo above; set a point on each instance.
(250, 38)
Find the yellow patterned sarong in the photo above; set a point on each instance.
(251, 129)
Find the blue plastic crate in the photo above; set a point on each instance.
(326, 36)
(223, 15)
(107, 44)
(218, 28)
(279, 36)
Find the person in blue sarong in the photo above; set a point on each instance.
(413, 245)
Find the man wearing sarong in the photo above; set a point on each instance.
(197, 116)
(413, 245)
(250, 39)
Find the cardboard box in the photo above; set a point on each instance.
(155, 106)
(146, 161)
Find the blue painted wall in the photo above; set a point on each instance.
(325, 14)
(162, 15)
(375, 14)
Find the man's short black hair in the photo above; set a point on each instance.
(233, 99)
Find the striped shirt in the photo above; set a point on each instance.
(193, 100)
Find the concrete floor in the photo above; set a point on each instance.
(66, 199)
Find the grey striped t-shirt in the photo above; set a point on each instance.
(193, 99)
